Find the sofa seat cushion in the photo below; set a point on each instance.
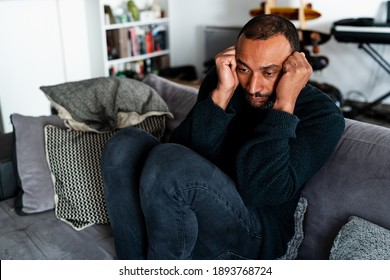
(44, 237)
(360, 239)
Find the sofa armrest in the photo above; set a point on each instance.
(8, 186)
(6, 141)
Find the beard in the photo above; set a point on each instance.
(267, 99)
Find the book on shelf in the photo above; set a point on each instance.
(123, 43)
(118, 44)
(140, 68)
(133, 41)
(136, 40)
(159, 33)
(149, 42)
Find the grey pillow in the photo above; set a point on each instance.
(296, 240)
(360, 239)
(37, 194)
(105, 104)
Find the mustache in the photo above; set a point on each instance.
(269, 99)
(260, 94)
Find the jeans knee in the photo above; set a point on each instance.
(166, 159)
(169, 167)
(166, 152)
(127, 144)
(159, 166)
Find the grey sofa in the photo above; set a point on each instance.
(346, 214)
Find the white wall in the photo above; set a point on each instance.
(349, 69)
(44, 42)
(25, 47)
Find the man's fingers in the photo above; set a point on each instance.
(295, 61)
(227, 52)
(227, 57)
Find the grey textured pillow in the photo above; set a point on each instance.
(360, 239)
(296, 240)
(105, 104)
(37, 194)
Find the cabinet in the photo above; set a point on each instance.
(134, 44)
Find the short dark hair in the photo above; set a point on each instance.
(265, 26)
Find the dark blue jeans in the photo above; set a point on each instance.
(165, 201)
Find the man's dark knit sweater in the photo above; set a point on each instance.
(270, 154)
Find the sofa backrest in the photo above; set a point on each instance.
(354, 181)
(179, 98)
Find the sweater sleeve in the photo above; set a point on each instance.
(205, 127)
(286, 150)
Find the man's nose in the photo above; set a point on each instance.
(255, 84)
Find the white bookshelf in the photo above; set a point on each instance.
(135, 58)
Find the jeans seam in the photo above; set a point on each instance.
(183, 238)
(191, 186)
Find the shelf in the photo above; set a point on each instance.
(124, 60)
(134, 45)
(136, 23)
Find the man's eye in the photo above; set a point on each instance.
(241, 69)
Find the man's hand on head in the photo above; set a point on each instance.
(227, 77)
(296, 73)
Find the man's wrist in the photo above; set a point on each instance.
(287, 107)
(221, 99)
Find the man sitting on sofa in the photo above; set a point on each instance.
(228, 184)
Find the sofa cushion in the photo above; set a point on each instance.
(355, 180)
(106, 103)
(44, 237)
(360, 239)
(296, 241)
(74, 160)
(33, 173)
